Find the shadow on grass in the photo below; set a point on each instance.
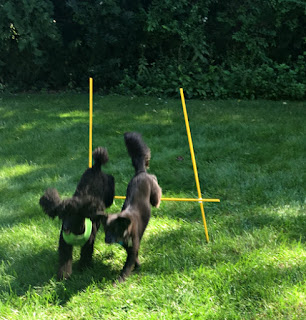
(80, 280)
(183, 248)
(20, 194)
(257, 283)
(288, 221)
(171, 250)
(38, 272)
(232, 236)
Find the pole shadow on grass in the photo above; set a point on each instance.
(290, 226)
(232, 233)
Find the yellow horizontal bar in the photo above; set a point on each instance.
(190, 199)
(180, 199)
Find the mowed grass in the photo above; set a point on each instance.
(250, 154)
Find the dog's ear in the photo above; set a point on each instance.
(50, 202)
(156, 192)
(109, 191)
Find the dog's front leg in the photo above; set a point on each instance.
(131, 261)
(137, 263)
(129, 264)
(65, 259)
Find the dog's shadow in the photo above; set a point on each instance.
(37, 273)
(100, 273)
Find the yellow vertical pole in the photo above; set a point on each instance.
(90, 120)
(194, 162)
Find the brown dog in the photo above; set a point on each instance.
(128, 226)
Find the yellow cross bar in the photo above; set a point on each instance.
(180, 199)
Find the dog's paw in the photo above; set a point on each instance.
(137, 267)
(121, 279)
(64, 273)
(61, 275)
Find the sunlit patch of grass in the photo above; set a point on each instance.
(17, 170)
(75, 114)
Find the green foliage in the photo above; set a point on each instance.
(214, 49)
(268, 80)
(28, 38)
(224, 49)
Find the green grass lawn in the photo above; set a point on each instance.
(250, 154)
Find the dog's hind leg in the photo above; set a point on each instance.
(137, 263)
(131, 262)
(88, 248)
(65, 259)
(128, 267)
(86, 254)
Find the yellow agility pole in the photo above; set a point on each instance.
(196, 176)
(90, 120)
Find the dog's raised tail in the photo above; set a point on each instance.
(100, 157)
(138, 150)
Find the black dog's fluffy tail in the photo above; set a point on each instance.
(138, 151)
(50, 201)
(100, 157)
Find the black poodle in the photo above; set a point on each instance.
(81, 214)
(127, 227)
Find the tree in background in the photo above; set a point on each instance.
(214, 49)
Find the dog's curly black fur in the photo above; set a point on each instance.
(94, 193)
(128, 226)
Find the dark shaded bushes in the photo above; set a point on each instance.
(214, 49)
